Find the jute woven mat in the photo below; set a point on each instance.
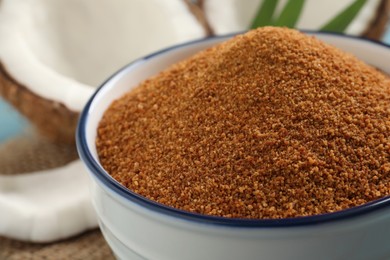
(90, 245)
(28, 153)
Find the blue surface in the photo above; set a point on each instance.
(386, 38)
(12, 124)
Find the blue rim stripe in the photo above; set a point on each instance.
(106, 180)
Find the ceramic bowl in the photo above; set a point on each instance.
(137, 228)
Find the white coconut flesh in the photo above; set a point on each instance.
(226, 16)
(47, 205)
(62, 50)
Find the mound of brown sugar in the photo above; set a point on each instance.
(270, 124)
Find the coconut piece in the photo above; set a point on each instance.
(53, 54)
(46, 205)
(39, 202)
(199, 14)
(53, 118)
(226, 16)
(378, 26)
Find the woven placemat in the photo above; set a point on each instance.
(90, 245)
(29, 153)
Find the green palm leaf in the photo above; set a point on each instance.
(264, 14)
(343, 19)
(290, 13)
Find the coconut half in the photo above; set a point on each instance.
(226, 16)
(53, 54)
(44, 206)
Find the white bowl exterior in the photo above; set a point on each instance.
(136, 232)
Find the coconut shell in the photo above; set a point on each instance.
(197, 11)
(378, 26)
(52, 119)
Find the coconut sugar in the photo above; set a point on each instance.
(270, 124)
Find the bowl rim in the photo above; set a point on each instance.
(110, 183)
